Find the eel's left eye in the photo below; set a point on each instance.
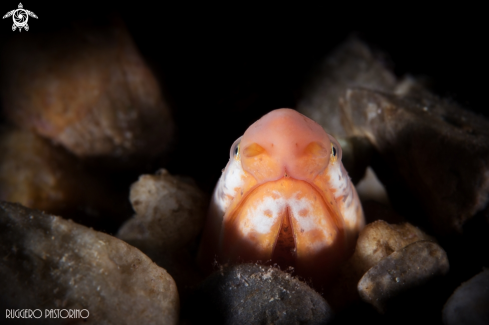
(334, 154)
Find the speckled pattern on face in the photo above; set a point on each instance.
(284, 197)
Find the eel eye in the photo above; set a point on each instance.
(234, 153)
(334, 154)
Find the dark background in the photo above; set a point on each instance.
(223, 66)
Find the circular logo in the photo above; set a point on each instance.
(20, 18)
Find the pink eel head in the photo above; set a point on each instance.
(285, 142)
(289, 201)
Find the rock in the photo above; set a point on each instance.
(51, 263)
(40, 175)
(352, 64)
(376, 241)
(256, 294)
(434, 153)
(410, 86)
(411, 267)
(380, 239)
(469, 303)
(170, 214)
(88, 89)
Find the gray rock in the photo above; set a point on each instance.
(469, 304)
(51, 263)
(170, 213)
(256, 294)
(353, 64)
(432, 150)
(411, 267)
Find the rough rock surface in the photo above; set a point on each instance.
(376, 241)
(51, 263)
(88, 89)
(380, 239)
(256, 294)
(410, 267)
(353, 64)
(40, 175)
(170, 213)
(434, 148)
(469, 304)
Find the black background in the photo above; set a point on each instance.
(222, 66)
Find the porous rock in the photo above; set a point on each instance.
(375, 242)
(256, 294)
(87, 88)
(170, 213)
(469, 304)
(43, 176)
(352, 64)
(408, 268)
(380, 239)
(51, 263)
(432, 148)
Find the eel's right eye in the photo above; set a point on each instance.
(235, 149)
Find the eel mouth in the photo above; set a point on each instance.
(287, 221)
(284, 252)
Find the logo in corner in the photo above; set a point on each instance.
(20, 17)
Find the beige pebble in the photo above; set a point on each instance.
(170, 213)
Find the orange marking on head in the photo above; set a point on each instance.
(285, 142)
